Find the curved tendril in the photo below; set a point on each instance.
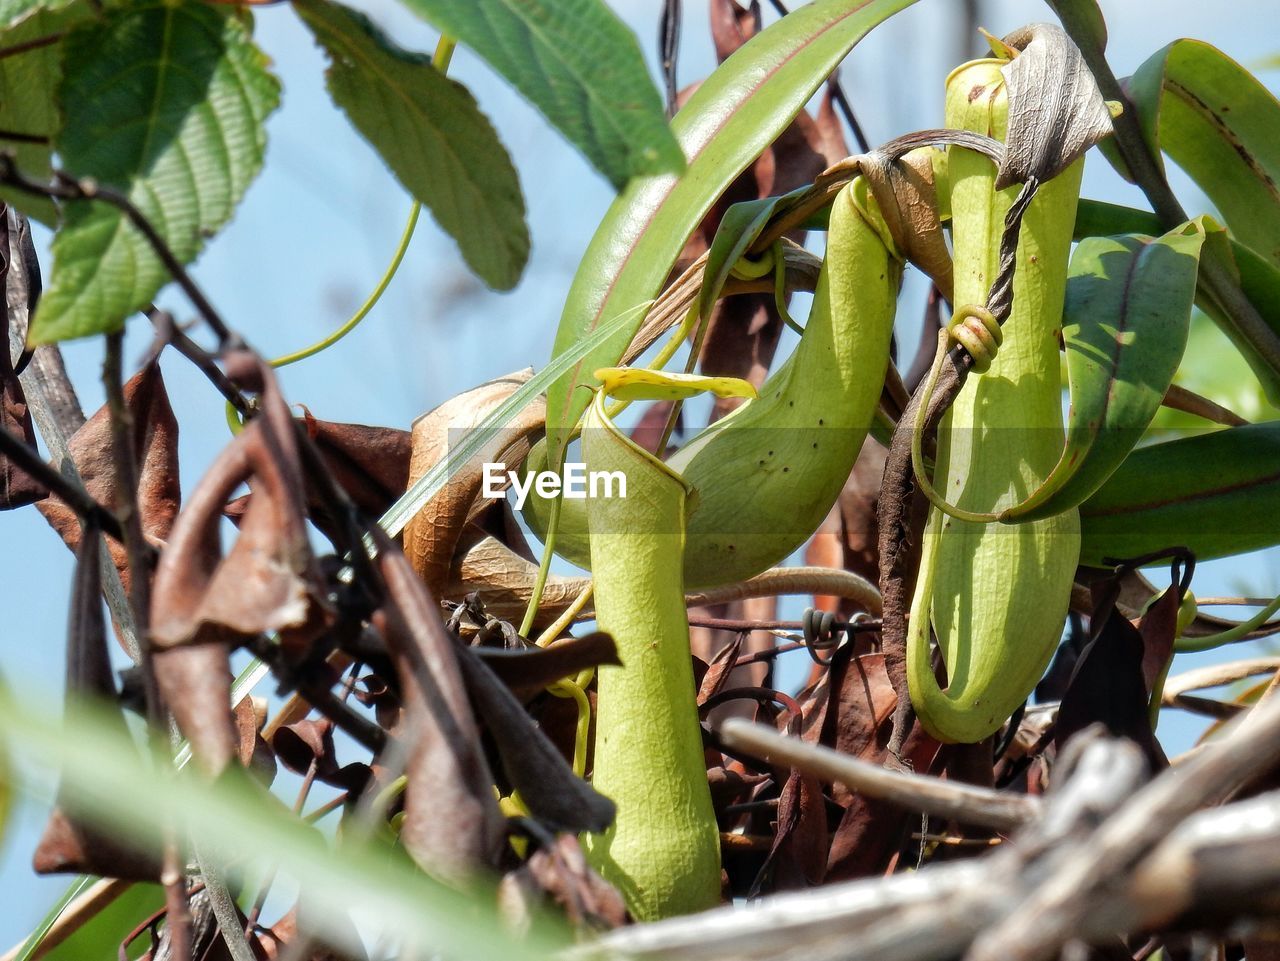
(780, 287)
(1238, 633)
(978, 332)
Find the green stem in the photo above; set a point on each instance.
(1185, 645)
(370, 302)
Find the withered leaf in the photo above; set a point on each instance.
(269, 580)
(798, 858)
(561, 874)
(195, 683)
(155, 444)
(553, 793)
(1107, 685)
(17, 488)
(310, 741)
(70, 843)
(904, 191)
(433, 533)
(250, 715)
(370, 463)
(503, 582)
(1056, 111)
(527, 671)
(452, 826)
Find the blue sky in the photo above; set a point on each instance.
(317, 228)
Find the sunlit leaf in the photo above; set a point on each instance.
(28, 96)
(578, 64)
(1128, 308)
(430, 132)
(737, 112)
(165, 103)
(636, 383)
(1218, 123)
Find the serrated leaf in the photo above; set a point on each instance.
(578, 64)
(28, 101)
(737, 112)
(637, 383)
(1128, 308)
(430, 132)
(166, 104)
(1218, 123)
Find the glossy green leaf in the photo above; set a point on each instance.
(166, 103)
(578, 64)
(741, 224)
(1258, 278)
(663, 848)
(737, 112)
(430, 132)
(1218, 123)
(638, 383)
(1217, 493)
(28, 98)
(102, 775)
(1125, 321)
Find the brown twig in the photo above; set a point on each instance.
(1189, 402)
(66, 187)
(70, 493)
(124, 460)
(35, 43)
(971, 805)
(168, 332)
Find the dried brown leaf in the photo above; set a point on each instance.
(155, 443)
(269, 580)
(370, 463)
(560, 873)
(529, 670)
(310, 741)
(553, 793)
(433, 533)
(904, 192)
(1056, 111)
(452, 826)
(70, 843)
(17, 488)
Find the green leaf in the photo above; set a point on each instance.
(1258, 278)
(738, 229)
(430, 132)
(11, 11)
(165, 103)
(1216, 493)
(1218, 123)
(1125, 321)
(28, 99)
(578, 64)
(104, 778)
(737, 112)
(102, 935)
